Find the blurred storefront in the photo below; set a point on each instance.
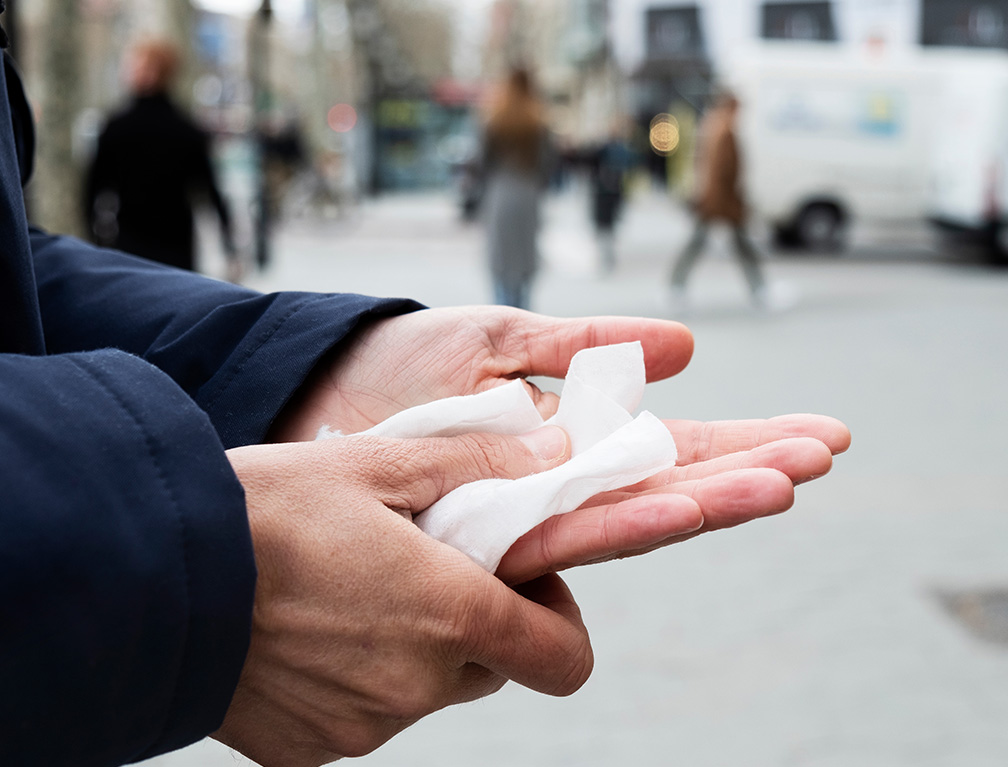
(423, 139)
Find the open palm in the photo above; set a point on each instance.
(729, 472)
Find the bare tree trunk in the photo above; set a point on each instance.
(56, 189)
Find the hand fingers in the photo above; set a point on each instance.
(409, 475)
(544, 345)
(627, 523)
(727, 499)
(701, 441)
(599, 533)
(739, 496)
(801, 459)
(537, 639)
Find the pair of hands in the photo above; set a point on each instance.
(363, 624)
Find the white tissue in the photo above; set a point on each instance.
(609, 449)
(507, 409)
(603, 387)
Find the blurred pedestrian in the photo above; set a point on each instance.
(284, 157)
(516, 166)
(150, 161)
(609, 164)
(719, 198)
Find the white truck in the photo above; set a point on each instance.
(831, 135)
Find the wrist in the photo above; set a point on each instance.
(310, 407)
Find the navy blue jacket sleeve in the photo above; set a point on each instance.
(238, 354)
(127, 573)
(126, 567)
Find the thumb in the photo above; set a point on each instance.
(428, 469)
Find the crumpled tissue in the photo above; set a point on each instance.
(610, 449)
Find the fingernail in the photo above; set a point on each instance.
(548, 443)
(809, 478)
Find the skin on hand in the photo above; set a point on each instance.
(729, 472)
(415, 358)
(363, 624)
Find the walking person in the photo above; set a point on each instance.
(150, 161)
(719, 199)
(516, 168)
(609, 164)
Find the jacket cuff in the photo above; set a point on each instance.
(248, 393)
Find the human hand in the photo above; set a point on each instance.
(362, 623)
(415, 358)
(729, 472)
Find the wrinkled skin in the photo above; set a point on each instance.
(729, 471)
(362, 624)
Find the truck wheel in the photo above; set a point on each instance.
(997, 246)
(785, 237)
(820, 227)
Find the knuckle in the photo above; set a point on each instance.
(373, 458)
(547, 543)
(705, 441)
(466, 622)
(405, 469)
(393, 467)
(488, 456)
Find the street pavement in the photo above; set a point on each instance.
(868, 626)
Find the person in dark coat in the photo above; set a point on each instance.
(179, 558)
(719, 198)
(150, 164)
(608, 165)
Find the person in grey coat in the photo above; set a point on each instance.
(516, 166)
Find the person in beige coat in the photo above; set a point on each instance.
(719, 197)
(516, 165)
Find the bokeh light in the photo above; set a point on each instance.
(342, 118)
(664, 134)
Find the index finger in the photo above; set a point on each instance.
(545, 345)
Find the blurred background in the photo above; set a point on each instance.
(868, 626)
(853, 112)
